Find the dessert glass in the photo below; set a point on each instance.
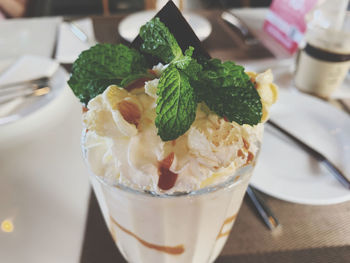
(181, 227)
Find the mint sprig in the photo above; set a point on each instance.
(103, 65)
(159, 42)
(224, 87)
(176, 104)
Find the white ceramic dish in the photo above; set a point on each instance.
(129, 27)
(286, 171)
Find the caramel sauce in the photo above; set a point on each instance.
(249, 158)
(151, 71)
(227, 221)
(130, 112)
(167, 178)
(176, 250)
(84, 109)
(246, 144)
(113, 234)
(138, 83)
(237, 177)
(240, 153)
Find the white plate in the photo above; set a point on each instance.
(129, 27)
(287, 172)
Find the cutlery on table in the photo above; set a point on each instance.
(253, 44)
(27, 89)
(19, 84)
(317, 155)
(80, 33)
(248, 38)
(263, 210)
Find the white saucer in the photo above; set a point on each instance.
(287, 172)
(129, 27)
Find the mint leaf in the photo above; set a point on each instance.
(159, 42)
(101, 66)
(184, 61)
(228, 91)
(176, 104)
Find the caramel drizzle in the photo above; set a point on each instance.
(113, 234)
(84, 109)
(249, 158)
(246, 144)
(167, 178)
(176, 250)
(227, 221)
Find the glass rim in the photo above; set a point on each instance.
(231, 181)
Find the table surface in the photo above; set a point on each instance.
(308, 233)
(50, 225)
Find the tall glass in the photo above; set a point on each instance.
(185, 227)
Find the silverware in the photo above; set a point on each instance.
(248, 38)
(37, 90)
(253, 47)
(18, 84)
(78, 32)
(264, 211)
(317, 155)
(81, 34)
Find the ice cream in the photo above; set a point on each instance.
(123, 146)
(122, 149)
(170, 149)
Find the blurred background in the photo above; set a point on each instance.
(35, 8)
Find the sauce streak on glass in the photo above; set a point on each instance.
(167, 178)
(176, 250)
(250, 157)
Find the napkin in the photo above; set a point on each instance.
(23, 36)
(25, 68)
(69, 46)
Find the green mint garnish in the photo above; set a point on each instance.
(103, 65)
(229, 92)
(223, 88)
(176, 104)
(159, 42)
(183, 61)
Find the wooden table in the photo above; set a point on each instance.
(309, 233)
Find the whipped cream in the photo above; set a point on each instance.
(122, 144)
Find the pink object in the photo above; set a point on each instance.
(285, 21)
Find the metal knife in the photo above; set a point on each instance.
(263, 210)
(338, 174)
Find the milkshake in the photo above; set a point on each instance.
(187, 219)
(170, 148)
